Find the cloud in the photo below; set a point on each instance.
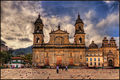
(90, 14)
(117, 41)
(91, 32)
(97, 31)
(25, 40)
(17, 20)
(10, 38)
(109, 2)
(110, 20)
(52, 22)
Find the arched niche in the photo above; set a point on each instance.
(59, 40)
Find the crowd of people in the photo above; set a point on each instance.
(61, 67)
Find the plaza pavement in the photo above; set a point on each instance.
(29, 73)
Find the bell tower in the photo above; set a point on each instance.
(79, 32)
(38, 31)
(112, 42)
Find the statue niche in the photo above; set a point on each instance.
(59, 40)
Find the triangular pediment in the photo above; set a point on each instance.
(59, 32)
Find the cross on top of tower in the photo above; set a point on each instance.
(59, 27)
(39, 15)
(78, 15)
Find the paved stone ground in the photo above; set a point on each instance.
(51, 74)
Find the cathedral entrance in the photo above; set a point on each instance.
(46, 61)
(110, 63)
(59, 60)
(70, 61)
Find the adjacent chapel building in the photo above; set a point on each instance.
(59, 50)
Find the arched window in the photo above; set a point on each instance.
(37, 40)
(37, 56)
(46, 54)
(98, 59)
(80, 39)
(94, 59)
(37, 28)
(95, 63)
(90, 63)
(80, 28)
(90, 59)
(86, 59)
(80, 56)
(59, 40)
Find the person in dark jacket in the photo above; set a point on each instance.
(66, 68)
(62, 67)
(57, 68)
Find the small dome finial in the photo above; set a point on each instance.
(105, 38)
(92, 41)
(39, 15)
(78, 15)
(112, 38)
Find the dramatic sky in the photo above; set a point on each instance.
(101, 18)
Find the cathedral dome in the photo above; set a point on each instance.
(93, 45)
(105, 39)
(112, 39)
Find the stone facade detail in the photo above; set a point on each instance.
(59, 51)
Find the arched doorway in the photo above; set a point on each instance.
(70, 61)
(46, 61)
(59, 60)
(110, 58)
(110, 63)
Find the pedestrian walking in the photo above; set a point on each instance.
(57, 68)
(66, 68)
(62, 67)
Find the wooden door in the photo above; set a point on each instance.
(59, 60)
(46, 61)
(71, 61)
(110, 63)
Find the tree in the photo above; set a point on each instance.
(26, 57)
(29, 58)
(5, 57)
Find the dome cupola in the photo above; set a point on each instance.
(112, 39)
(38, 25)
(79, 20)
(39, 20)
(93, 45)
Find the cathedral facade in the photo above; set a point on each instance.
(59, 51)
